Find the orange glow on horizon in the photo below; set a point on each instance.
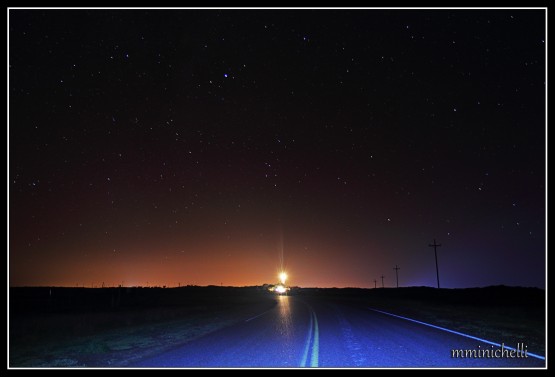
(247, 264)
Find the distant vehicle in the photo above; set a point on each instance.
(279, 289)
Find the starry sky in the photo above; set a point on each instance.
(176, 147)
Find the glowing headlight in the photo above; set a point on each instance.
(281, 289)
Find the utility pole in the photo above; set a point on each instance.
(375, 281)
(397, 268)
(382, 281)
(435, 246)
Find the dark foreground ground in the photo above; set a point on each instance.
(249, 327)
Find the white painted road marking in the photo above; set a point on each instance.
(456, 332)
(260, 315)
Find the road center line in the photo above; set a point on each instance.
(455, 332)
(307, 343)
(315, 344)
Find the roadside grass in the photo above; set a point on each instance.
(107, 346)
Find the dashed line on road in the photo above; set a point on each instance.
(260, 315)
(455, 332)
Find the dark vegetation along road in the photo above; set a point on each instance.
(412, 327)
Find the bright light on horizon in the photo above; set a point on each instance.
(281, 289)
(282, 277)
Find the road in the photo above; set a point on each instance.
(311, 332)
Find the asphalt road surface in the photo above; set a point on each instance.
(312, 332)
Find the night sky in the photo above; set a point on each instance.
(176, 147)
